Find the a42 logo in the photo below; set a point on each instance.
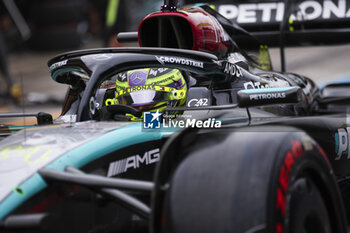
(198, 102)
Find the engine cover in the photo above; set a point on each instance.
(189, 28)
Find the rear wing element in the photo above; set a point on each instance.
(311, 22)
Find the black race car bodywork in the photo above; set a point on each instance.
(277, 161)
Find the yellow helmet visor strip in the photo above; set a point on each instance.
(176, 94)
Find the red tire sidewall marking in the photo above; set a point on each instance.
(291, 156)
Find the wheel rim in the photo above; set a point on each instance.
(308, 212)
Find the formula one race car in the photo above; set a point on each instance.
(187, 133)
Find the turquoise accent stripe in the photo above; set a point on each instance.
(267, 90)
(16, 128)
(29, 187)
(112, 141)
(78, 157)
(336, 137)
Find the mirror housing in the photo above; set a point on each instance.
(267, 96)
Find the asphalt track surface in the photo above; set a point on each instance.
(29, 70)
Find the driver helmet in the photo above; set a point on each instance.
(149, 89)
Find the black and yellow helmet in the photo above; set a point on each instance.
(150, 89)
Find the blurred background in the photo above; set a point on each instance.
(32, 32)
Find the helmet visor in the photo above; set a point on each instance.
(145, 95)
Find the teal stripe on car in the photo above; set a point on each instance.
(16, 128)
(53, 76)
(29, 188)
(82, 155)
(112, 141)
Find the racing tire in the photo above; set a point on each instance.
(281, 183)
